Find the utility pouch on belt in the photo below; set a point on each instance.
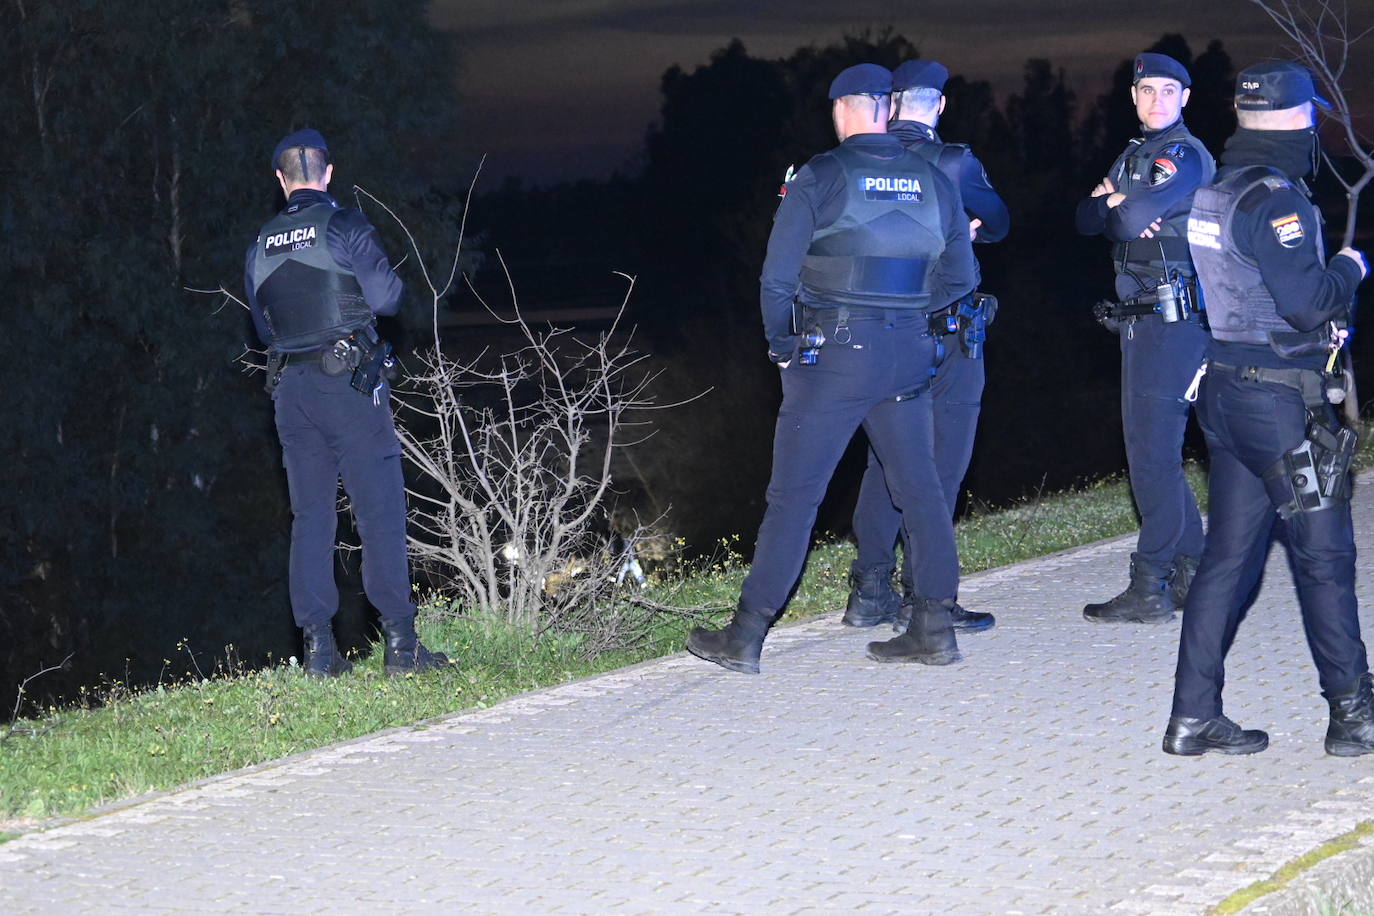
(1316, 473)
(342, 356)
(276, 362)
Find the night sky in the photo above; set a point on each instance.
(556, 89)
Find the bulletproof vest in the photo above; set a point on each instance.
(944, 156)
(1240, 307)
(880, 250)
(1144, 163)
(307, 299)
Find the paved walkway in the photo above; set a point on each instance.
(1028, 779)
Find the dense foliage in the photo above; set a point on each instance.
(142, 499)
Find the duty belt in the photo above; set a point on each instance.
(1308, 382)
(857, 313)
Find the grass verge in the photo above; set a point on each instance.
(1290, 870)
(124, 743)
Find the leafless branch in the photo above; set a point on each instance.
(13, 728)
(1321, 38)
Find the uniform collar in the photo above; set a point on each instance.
(885, 145)
(1153, 135)
(912, 131)
(306, 197)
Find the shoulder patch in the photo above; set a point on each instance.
(1288, 230)
(1161, 170)
(787, 176)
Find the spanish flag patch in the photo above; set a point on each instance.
(1288, 230)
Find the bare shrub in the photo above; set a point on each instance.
(515, 453)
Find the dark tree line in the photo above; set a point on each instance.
(143, 500)
(697, 218)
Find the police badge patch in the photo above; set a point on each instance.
(1161, 170)
(279, 243)
(1288, 230)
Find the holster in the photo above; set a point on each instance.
(968, 317)
(378, 364)
(1316, 474)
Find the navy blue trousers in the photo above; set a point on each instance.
(956, 397)
(1158, 361)
(1249, 426)
(856, 382)
(328, 431)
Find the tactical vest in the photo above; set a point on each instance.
(944, 156)
(1137, 167)
(882, 246)
(1240, 307)
(307, 299)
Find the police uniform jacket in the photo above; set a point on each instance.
(981, 200)
(815, 199)
(1275, 227)
(1158, 173)
(355, 247)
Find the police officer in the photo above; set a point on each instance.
(1142, 206)
(1276, 445)
(316, 279)
(957, 389)
(868, 238)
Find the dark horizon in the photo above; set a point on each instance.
(557, 90)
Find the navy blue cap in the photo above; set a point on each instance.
(308, 138)
(862, 79)
(920, 74)
(1275, 85)
(1151, 64)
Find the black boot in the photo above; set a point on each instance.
(909, 600)
(1351, 732)
(322, 656)
(871, 598)
(1181, 579)
(735, 646)
(929, 638)
(963, 619)
(405, 654)
(1145, 600)
(1190, 737)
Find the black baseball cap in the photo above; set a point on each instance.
(862, 79)
(920, 74)
(308, 138)
(1275, 85)
(1150, 64)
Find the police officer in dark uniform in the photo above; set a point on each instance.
(869, 237)
(1142, 206)
(957, 388)
(316, 279)
(1277, 309)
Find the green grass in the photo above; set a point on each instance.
(132, 743)
(123, 743)
(1290, 870)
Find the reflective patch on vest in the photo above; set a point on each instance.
(1275, 183)
(280, 243)
(1288, 230)
(1204, 232)
(1161, 170)
(905, 190)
